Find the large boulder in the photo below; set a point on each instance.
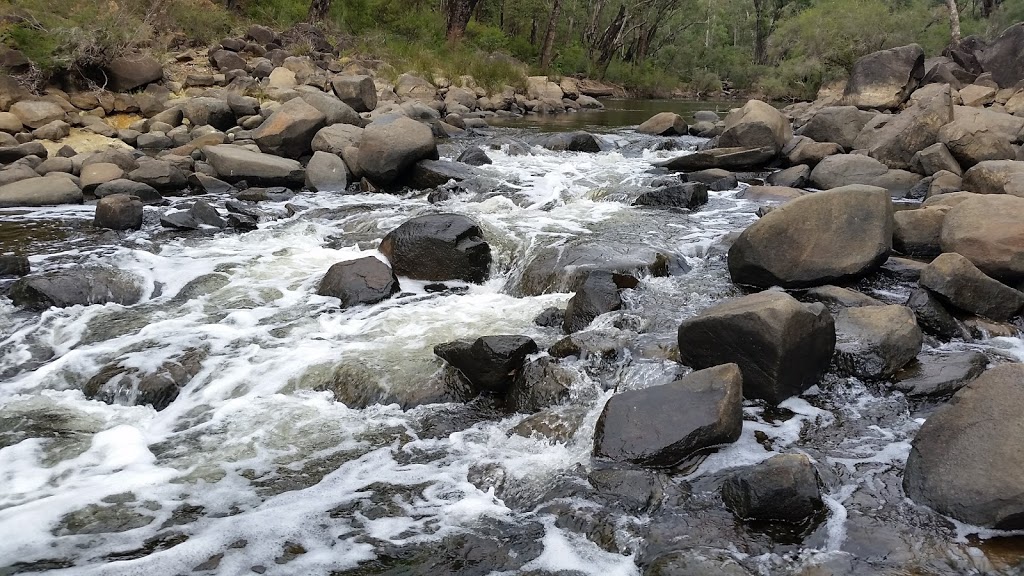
(76, 286)
(363, 281)
(988, 230)
(966, 458)
(823, 238)
(994, 121)
(784, 487)
(540, 88)
(43, 191)
(127, 73)
(940, 374)
(971, 143)
(290, 129)
(326, 173)
(234, 163)
(37, 113)
(438, 247)
(895, 141)
(335, 111)
(335, 138)
(664, 124)
(916, 232)
(783, 347)
(413, 87)
(874, 342)
(578, 141)
(756, 125)
(433, 173)
(933, 317)
(1002, 57)
(690, 195)
(664, 425)
(118, 212)
(839, 124)
(161, 175)
(885, 79)
(934, 159)
(207, 111)
(724, 158)
(803, 150)
(565, 268)
(391, 145)
(845, 169)
(490, 363)
(954, 280)
(995, 177)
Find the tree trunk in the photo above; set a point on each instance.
(954, 22)
(610, 41)
(549, 36)
(318, 10)
(459, 13)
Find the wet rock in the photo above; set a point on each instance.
(438, 247)
(234, 164)
(873, 343)
(955, 281)
(74, 286)
(554, 425)
(663, 425)
(550, 318)
(784, 487)
(724, 158)
(181, 220)
(694, 563)
(118, 212)
(363, 281)
(13, 265)
(633, 490)
(988, 230)
(916, 232)
(433, 173)
(893, 140)
(144, 192)
(43, 191)
(100, 519)
(116, 384)
(564, 268)
(782, 346)
(474, 156)
(823, 238)
(756, 125)
(933, 317)
(845, 169)
(936, 374)
(963, 461)
(490, 363)
(837, 298)
(568, 142)
(540, 383)
(391, 145)
(793, 177)
(598, 295)
(326, 173)
(37, 113)
(714, 178)
(995, 177)
(204, 213)
(290, 129)
(839, 124)
(885, 79)
(690, 195)
(664, 124)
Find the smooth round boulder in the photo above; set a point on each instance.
(965, 461)
(391, 145)
(133, 71)
(326, 173)
(846, 169)
(782, 346)
(827, 237)
(664, 124)
(661, 426)
(144, 192)
(988, 230)
(363, 281)
(118, 212)
(839, 124)
(438, 247)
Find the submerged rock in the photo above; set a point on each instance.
(726, 158)
(490, 363)
(783, 347)
(564, 268)
(116, 384)
(76, 286)
(939, 374)
(965, 460)
(663, 425)
(438, 247)
(598, 295)
(784, 487)
(568, 142)
(363, 281)
(933, 318)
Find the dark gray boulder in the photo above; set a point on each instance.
(489, 363)
(846, 169)
(935, 374)
(782, 346)
(14, 265)
(598, 295)
(474, 156)
(564, 268)
(1002, 57)
(792, 177)
(540, 383)
(699, 411)
(438, 247)
(873, 343)
(205, 111)
(433, 173)
(568, 142)
(690, 195)
(784, 487)
(955, 281)
(358, 92)
(823, 238)
(724, 158)
(76, 286)
(118, 212)
(933, 318)
(144, 192)
(965, 460)
(363, 281)
(839, 124)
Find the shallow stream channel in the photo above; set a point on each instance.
(312, 440)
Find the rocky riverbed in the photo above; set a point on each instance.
(321, 341)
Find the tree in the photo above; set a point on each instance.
(954, 22)
(549, 36)
(457, 17)
(318, 10)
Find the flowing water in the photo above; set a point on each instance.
(257, 467)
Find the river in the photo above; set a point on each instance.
(257, 468)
